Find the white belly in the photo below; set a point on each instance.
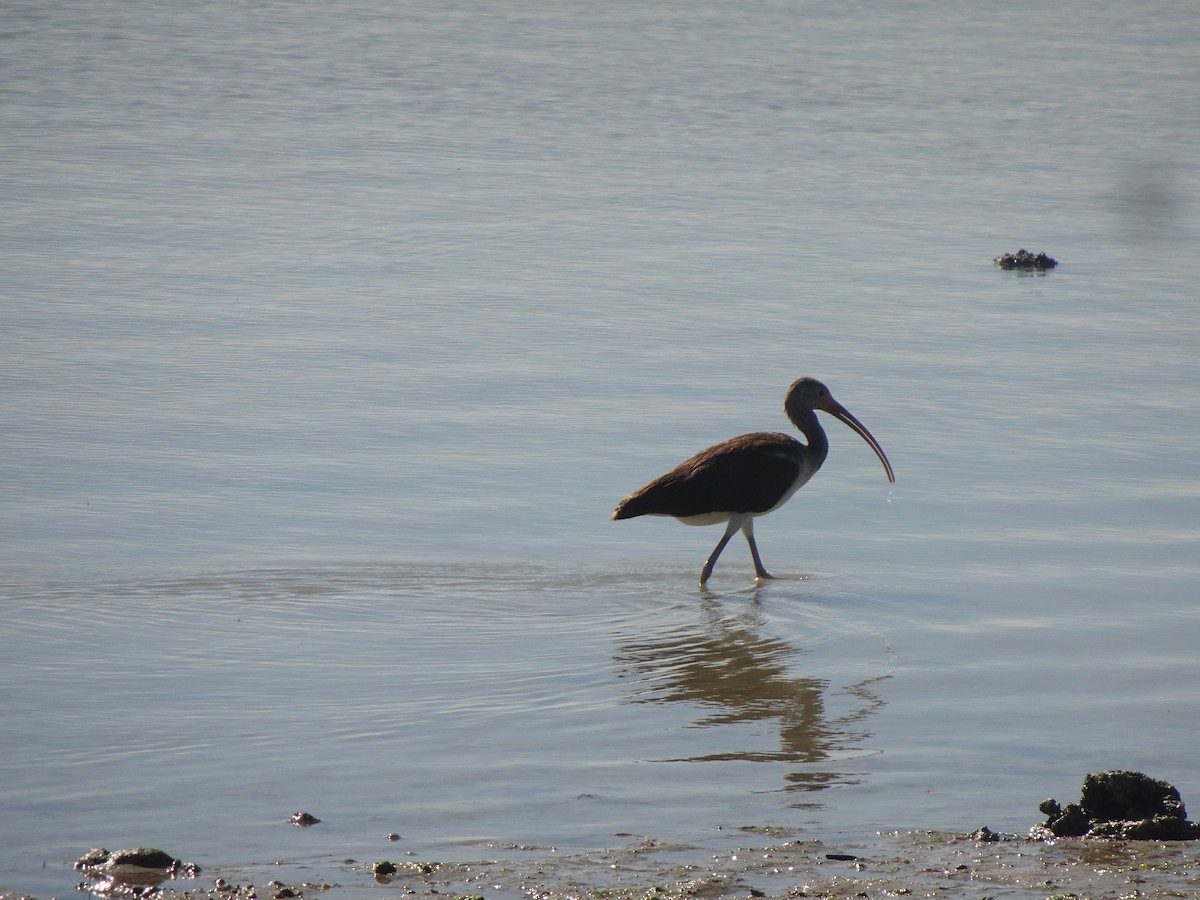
(712, 518)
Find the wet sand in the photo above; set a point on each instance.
(765, 863)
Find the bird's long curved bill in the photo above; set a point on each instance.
(836, 409)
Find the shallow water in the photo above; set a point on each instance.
(332, 336)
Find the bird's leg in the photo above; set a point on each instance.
(735, 522)
(759, 569)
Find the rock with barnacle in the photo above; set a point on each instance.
(1023, 259)
(139, 867)
(1120, 804)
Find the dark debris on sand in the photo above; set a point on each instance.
(784, 866)
(1061, 858)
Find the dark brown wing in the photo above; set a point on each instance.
(745, 474)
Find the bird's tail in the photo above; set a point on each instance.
(627, 509)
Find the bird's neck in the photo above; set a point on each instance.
(810, 427)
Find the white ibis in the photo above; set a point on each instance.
(747, 476)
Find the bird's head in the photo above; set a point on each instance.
(807, 394)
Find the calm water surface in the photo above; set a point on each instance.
(331, 336)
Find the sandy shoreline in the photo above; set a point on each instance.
(765, 864)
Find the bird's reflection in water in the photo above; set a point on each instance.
(734, 674)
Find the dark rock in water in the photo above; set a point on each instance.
(1109, 796)
(134, 871)
(94, 858)
(304, 819)
(1069, 822)
(1119, 804)
(984, 835)
(1023, 259)
(139, 857)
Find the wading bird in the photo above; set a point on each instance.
(748, 476)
